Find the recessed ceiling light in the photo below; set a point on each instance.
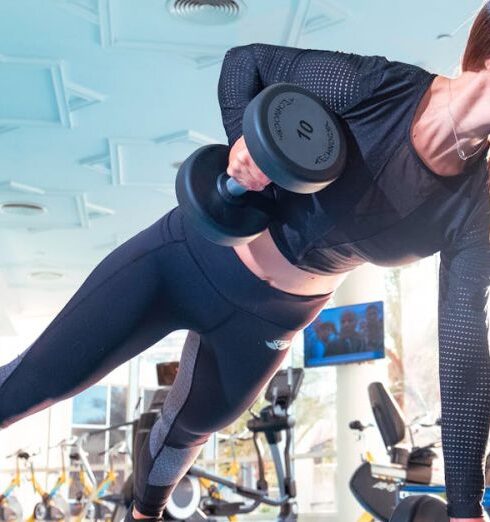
(22, 209)
(207, 12)
(46, 275)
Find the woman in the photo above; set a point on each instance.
(414, 184)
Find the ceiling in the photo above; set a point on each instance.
(99, 99)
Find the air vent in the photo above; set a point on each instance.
(22, 209)
(207, 12)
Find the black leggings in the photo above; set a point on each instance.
(165, 278)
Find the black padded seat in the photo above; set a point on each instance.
(387, 414)
(391, 424)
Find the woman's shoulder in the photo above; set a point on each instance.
(384, 78)
(393, 73)
(369, 69)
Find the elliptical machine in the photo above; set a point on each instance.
(187, 503)
(272, 421)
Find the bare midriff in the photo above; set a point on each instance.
(262, 257)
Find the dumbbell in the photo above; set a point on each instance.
(420, 508)
(292, 137)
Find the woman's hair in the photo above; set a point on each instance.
(478, 45)
(478, 49)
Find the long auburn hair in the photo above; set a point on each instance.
(478, 46)
(477, 49)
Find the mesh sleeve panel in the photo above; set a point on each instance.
(464, 365)
(246, 70)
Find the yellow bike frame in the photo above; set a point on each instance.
(93, 494)
(14, 483)
(47, 496)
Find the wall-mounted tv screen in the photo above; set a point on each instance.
(346, 334)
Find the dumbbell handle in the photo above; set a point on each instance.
(234, 188)
(230, 187)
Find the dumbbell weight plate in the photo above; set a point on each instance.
(226, 222)
(420, 508)
(294, 139)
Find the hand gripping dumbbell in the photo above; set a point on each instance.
(293, 139)
(420, 508)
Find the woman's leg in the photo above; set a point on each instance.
(220, 375)
(133, 298)
(222, 370)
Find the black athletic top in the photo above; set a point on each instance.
(389, 208)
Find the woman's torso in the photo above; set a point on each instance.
(387, 208)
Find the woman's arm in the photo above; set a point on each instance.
(464, 365)
(246, 70)
(339, 79)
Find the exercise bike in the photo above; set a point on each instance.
(10, 507)
(52, 505)
(381, 488)
(93, 502)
